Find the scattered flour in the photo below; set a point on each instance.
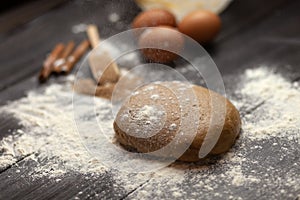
(238, 178)
(277, 103)
(79, 28)
(154, 96)
(269, 106)
(172, 127)
(144, 122)
(50, 132)
(113, 17)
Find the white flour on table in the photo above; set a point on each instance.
(269, 105)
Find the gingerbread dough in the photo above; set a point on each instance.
(151, 118)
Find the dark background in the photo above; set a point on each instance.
(6, 5)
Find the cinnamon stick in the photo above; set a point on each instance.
(57, 65)
(75, 56)
(47, 65)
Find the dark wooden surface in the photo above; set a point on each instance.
(24, 12)
(254, 32)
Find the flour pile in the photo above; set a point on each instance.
(49, 131)
(269, 105)
(273, 102)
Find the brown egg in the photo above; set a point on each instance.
(203, 26)
(158, 38)
(155, 17)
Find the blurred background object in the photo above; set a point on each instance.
(182, 8)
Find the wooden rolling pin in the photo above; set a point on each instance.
(103, 68)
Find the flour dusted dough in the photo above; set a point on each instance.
(153, 112)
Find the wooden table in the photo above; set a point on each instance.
(254, 32)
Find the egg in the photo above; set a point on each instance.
(203, 26)
(154, 17)
(158, 38)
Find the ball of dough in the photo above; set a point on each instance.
(151, 118)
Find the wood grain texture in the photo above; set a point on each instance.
(272, 41)
(21, 185)
(254, 33)
(24, 13)
(21, 54)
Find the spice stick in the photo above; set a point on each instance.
(75, 56)
(47, 66)
(57, 65)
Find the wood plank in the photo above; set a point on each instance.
(241, 15)
(269, 187)
(17, 183)
(274, 42)
(23, 52)
(25, 13)
(7, 125)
